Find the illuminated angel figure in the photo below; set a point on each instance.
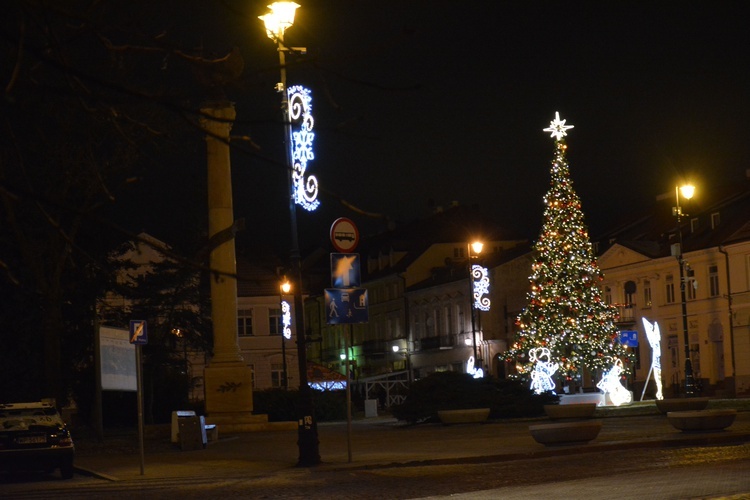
(610, 384)
(541, 376)
(654, 338)
(472, 370)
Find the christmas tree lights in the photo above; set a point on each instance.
(565, 311)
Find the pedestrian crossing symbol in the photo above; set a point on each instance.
(346, 306)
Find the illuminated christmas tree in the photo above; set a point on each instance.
(566, 312)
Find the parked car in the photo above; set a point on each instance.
(33, 436)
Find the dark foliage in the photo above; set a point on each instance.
(457, 391)
(281, 405)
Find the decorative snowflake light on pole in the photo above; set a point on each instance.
(481, 287)
(557, 127)
(300, 115)
(286, 319)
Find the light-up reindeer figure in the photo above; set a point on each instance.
(610, 384)
(654, 338)
(541, 376)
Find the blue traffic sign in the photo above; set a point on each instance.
(138, 332)
(345, 270)
(346, 306)
(629, 338)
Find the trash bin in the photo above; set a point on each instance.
(176, 415)
(192, 433)
(371, 408)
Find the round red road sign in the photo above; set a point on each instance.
(344, 235)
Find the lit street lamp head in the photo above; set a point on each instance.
(279, 19)
(477, 247)
(687, 191)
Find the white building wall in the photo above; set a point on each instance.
(720, 349)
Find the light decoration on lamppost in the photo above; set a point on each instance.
(286, 319)
(687, 192)
(286, 332)
(301, 118)
(277, 21)
(477, 248)
(286, 311)
(481, 287)
(298, 108)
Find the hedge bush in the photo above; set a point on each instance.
(460, 391)
(281, 405)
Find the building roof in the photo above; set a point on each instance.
(715, 218)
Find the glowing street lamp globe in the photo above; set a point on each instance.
(687, 191)
(279, 19)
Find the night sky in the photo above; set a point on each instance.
(422, 103)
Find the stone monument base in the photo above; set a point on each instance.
(229, 389)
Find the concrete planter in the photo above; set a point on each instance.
(578, 411)
(701, 420)
(562, 433)
(586, 397)
(470, 416)
(681, 404)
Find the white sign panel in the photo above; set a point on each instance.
(117, 355)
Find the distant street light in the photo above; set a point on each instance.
(407, 357)
(477, 247)
(285, 320)
(687, 193)
(277, 21)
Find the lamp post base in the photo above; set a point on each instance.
(690, 389)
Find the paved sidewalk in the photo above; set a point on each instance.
(384, 442)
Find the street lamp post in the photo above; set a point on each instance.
(407, 361)
(477, 247)
(285, 289)
(687, 193)
(277, 21)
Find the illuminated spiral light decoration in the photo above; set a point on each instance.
(300, 116)
(481, 287)
(286, 319)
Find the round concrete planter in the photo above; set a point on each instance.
(470, 416)
(562, 433)
(681, 404)
(701, 420)
(570, 411)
